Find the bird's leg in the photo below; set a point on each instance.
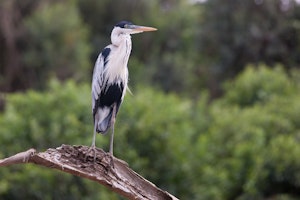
(94, 137)
(111, 145)
(93, 146)
(112, 122)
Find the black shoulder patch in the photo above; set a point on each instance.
(105, 54)
(111, 94)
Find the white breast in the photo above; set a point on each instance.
(116, 69)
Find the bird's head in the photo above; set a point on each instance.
(129, 28)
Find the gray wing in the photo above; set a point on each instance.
(98, 76)
(97, 82)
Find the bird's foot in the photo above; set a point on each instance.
(94, 154)
(110, 156)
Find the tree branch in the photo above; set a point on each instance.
(77, 160)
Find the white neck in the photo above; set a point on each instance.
(118, 36)
(121, 46)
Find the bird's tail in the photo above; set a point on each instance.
(104, 123)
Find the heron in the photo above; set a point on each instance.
(110, 78)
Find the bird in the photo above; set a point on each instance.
(110, 78)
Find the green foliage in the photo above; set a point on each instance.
(227, 149)
(46, 119)
(57, 42)
(169, 56)
(174, 61)
(258, 85)
(245, 145)
(188, 52)
(43, 120)
(235, 33)
(152, 132)
(249, 150)
(157, 127)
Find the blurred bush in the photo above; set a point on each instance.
(189, 51)
(251, 147)
(57, 43)
(152, 132)
(242, 146)
(238, 147)
(60, 115)
(258, 85)
(40, 39)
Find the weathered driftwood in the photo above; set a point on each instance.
(97, 166)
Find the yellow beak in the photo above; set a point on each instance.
(144, 28)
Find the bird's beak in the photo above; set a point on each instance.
(139, 29)
(144, 28)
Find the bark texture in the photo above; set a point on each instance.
(97, 166)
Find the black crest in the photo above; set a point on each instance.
(123, 23)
